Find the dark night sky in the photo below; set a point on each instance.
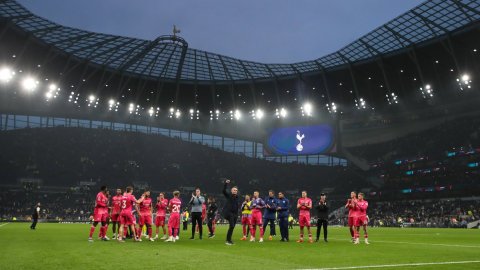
(270, 31)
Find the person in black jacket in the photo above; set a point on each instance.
(322, 217)
(230, 210)
(211, 214)
(35, 215)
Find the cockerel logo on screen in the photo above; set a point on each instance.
(300, 138)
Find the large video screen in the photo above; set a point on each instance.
(301, 140)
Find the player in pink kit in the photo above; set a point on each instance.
(126, 215)
(161, 206)
(116, 209)
(100, 213)
(352, 213)
(361, 220)
(257, 206)
(145, 217)
(304, 204)
(102, 234)
(174, 207)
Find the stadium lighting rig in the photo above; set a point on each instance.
(153, 111)
(215, 114)
(259, 114)
(427, 91)
(392, 98)
(282, 113)
(237, 115)
(6, 74)
(234, 114)
(52, 92)
(29, 84)
(131, 108)
(73, 97)
(174, 113)
(464, 82)
(113, 105)
(307, 109)
(92, 101)
(332, 107)
(360, 103)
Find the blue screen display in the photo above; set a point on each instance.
(301, 140)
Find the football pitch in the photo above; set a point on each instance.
(65, 246)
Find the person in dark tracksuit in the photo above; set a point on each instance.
(269, 215)
(322, 217)
(211, 214)
(230, 210)
(282, 214)
(35, 215)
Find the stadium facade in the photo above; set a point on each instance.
(423, 61)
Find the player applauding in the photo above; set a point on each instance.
(304, 204)
(362, 219)
(246, 216)
(145, 217)
(161, 206)
(257, 206)
(350, 205)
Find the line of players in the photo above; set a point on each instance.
(122, 207)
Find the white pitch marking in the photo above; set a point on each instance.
(1, 225)
(411, 243)
(428, 244)
(393, 265)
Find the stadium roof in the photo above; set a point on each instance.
(170, 58)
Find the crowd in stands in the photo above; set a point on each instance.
(63, 168)
(427, 213)
(443, 159)
(65, 156)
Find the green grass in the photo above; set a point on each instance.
(65, 246)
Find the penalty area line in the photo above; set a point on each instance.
(1, 225)
(393, 265)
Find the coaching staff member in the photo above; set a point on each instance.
(35, 215)
(196, 202)
(230, 210)
(322, 217)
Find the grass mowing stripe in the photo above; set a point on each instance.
(393, 265)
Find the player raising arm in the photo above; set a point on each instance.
(304, 204)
